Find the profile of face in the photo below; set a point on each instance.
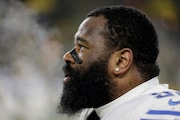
(86, 84)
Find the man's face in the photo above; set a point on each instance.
(86, 85)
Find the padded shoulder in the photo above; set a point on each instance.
(165, 107)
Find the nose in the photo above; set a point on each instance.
(68, 58)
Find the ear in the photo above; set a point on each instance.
(122, 61)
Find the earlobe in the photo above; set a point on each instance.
(124, 61)
(117, 69)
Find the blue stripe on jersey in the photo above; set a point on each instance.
(164, 112)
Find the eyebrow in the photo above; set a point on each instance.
(81, 39)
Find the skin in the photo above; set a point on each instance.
(89, 45)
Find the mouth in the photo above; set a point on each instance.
(67, 75)
(66, 79)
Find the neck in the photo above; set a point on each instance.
(121, 85)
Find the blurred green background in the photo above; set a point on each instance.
(30, 87)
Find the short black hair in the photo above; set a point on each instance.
(128, 27)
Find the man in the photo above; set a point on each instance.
(112, 69)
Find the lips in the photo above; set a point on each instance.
(67, 77)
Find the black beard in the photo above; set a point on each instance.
(87, 88)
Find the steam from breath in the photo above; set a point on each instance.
(29, 63)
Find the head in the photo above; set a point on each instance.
(115, 49)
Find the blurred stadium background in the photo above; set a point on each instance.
(34, 36)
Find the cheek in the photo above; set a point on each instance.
(95, 55)
(110, 70)
(81, 56)
(86, 57)
(110, 67)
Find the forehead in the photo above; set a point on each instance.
(91, 29)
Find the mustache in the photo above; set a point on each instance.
(67, 69)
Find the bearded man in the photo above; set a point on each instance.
(112, 71)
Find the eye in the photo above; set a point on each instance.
(80, 46)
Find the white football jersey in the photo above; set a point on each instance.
(148, 101)
(163, 105)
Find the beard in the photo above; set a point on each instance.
(86, 88)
